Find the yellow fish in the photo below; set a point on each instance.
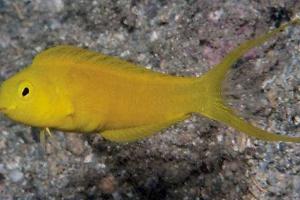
(74, 89)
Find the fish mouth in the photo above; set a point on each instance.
(4, 108)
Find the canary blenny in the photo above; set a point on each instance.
(73, 89)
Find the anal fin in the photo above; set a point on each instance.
(139, 132)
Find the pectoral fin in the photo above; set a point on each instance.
(138, 132)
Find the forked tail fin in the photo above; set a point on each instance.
(216, 107)
(226, 115)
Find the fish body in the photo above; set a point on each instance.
(126, 99)
(74, 89)
(101, 93)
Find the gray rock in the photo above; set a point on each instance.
(16, 176)
(195, 159)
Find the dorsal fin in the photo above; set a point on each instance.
(70, 55)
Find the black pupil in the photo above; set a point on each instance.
(25, 91)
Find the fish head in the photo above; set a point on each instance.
(30, 97)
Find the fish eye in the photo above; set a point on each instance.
(25, 91)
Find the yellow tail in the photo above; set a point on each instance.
(216, 108)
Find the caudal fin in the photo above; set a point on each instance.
(216, 107)
(226, 115)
